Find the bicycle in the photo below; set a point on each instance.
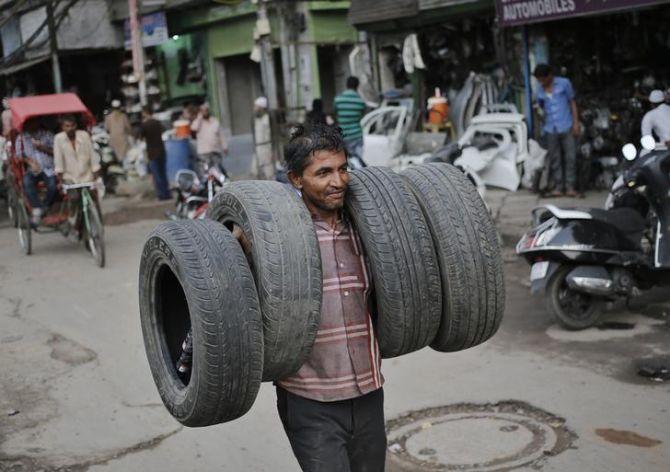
(87, 220)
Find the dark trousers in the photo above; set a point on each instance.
(30, 180)
(562, 155)
(157, 169)
(341, 436)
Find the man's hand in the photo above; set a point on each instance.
(34, 165)
(242, 239)
(576, 129)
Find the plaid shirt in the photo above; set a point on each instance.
(25, 148)
(345, 361)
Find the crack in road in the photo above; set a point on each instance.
(24, 463)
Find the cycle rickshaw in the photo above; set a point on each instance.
(75, 209)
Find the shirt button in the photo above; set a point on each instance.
(341, 264)
(346, 293)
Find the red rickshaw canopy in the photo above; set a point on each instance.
(25, 108)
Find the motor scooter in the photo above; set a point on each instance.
(585, 258)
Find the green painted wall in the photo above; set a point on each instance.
(332, 27)
(231, 37)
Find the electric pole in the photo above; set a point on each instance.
(53, 46)
(137, 49)
(268, 76)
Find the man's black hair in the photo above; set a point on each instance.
(306, 140)
(542, 70)
(68, 117)
(352, 82)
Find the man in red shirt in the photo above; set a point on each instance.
(332, 409)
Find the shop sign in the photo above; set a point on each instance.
(154, 30)
(522, 12)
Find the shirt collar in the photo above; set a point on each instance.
(340, 225)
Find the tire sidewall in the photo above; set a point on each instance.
(155, 256)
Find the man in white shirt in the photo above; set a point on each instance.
(75, 161)
(210, 144)
(74, 158)
(657, 121)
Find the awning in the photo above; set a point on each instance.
(371, 11)
(523, 12)
(22, 65)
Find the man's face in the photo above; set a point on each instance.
(546, 81)
(324, 181)
(69, 127)
(205, 112)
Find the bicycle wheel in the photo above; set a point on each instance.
(95, 233)
(11, 202)
(23, 227)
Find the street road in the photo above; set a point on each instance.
(76, 393)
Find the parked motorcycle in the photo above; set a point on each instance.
(111, 169)
(586, 258)
(194, 195)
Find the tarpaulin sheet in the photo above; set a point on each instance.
(24, 108)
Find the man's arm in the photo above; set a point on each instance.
(647, 125)
(195, 126)
(59, 162)
(576, 127)
(95, 157)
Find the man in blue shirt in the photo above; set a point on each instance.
(556, 97)
(35, 145)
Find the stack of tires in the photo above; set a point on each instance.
(253, 303)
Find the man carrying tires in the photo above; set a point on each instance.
(332, 408)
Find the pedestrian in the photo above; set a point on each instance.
(210, 144)
(152, 133)
(35, 145)
(317, 116)
(556, 97)
(76, 162)
(657, 121)
(6, 118)
(264, 166)
(332, 409)
(118, 127)
(349, 110)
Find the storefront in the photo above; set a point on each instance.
(614, 53)
(310, 43)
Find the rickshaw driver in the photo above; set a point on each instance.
(75, 160)
(35, 145)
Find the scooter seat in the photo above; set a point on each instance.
(626, 220)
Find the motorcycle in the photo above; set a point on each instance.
(111, 171)
(584, 259)
(193, 195)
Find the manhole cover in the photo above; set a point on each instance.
(469, 437)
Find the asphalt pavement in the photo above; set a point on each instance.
(76, 393)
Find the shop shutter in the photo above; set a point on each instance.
(371, 11)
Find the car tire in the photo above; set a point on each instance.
(468, 253)
(286, 262)
(193, 275)
(401, 258)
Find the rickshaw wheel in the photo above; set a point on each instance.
(95, 236)
(23, 226)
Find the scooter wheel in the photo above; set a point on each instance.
(573, 310)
